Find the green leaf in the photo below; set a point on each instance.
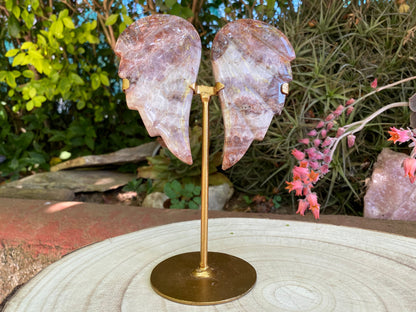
(186, 12)
(27, 45)
(32, 92)
(65, 155)
(63, 13)
(176, 186)
(16, 11)
(13, 26)
(20, 59)
(93, 24)
(68, 22)
(80, 105)
(169, 191)
(12, 52)
(35, 4)
(16, 73)
(176, 204)
(76, 79)
(187, 192)
(64, 85)
(127, 19)
(10, 80)
(121, 27)
(30, 105)
(193, 205)
(57, 29)
(90, 142)
(28, 74)
(29, 18)
(95, 81)
(111, 20)
(38, 100)
(170, 3)
(197, 190)
(9, 5)
(104, 79)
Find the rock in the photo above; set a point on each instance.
(60, 185)
(390, 194)
(37, 193)
(123, 156)
(218, 196)
(155, 200)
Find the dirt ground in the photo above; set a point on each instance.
(17, 266)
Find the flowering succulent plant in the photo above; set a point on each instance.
(317, 149)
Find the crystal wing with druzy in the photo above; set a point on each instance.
(252, 60)
(160, 56)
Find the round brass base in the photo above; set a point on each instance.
(179, 278)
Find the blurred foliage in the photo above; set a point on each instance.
(165, 167)
(182, 196)
(59, 89)
(341, 48)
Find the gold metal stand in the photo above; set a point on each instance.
(226, 278)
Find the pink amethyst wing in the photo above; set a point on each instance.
(160, 56)
(252, 60)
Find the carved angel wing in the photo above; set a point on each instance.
(160, 56)
(252, 60)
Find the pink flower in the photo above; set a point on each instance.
(327, 159)
(323, 133)
(340, 132)
(303, 204)
(296, 185)
(299, 172)
(339, 110)
(320, 125)
(314, 165)
(351, 140)
(409, 166)
(399, 135)
(315, 212)
(327, 142)
(329, 125)
(324, 169)
(330, 117)
(374, 84)
(304, 141)
(313, 154)
(316, 142)
(298, 154)
(312, 133)
(313, 176)
(313, 204)
(349, 110)
(350, 101)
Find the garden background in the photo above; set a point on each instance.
(60, 95)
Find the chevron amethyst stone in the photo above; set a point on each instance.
(252, 60)
(160, 56)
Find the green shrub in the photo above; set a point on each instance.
(340, 49)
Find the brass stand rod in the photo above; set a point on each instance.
(205, 93)
(204, 185)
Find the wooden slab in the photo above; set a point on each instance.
(300, 266)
